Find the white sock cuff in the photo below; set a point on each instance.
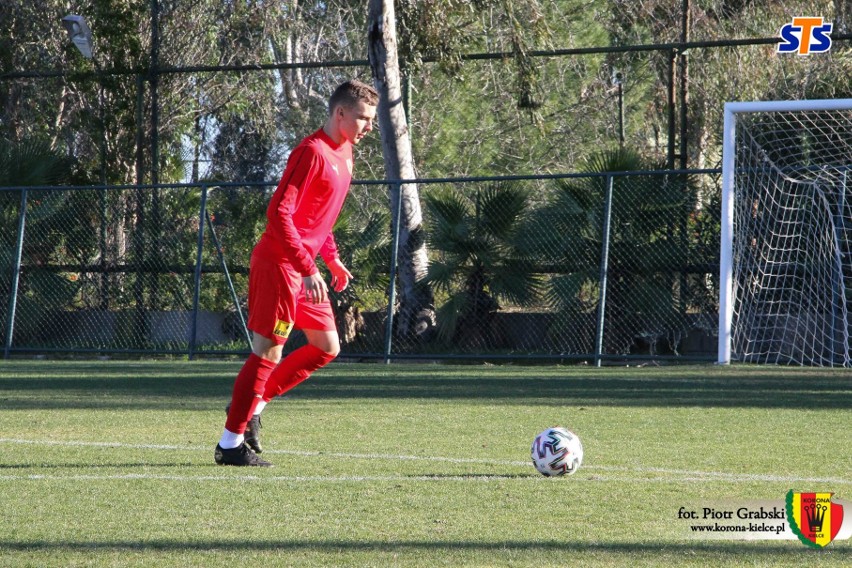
(230, 440)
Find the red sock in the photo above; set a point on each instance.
(248, 388)
(294, 369)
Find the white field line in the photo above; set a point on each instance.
(342, 479)
(76, 443)
(662, 474)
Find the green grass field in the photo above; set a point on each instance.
(106, 463)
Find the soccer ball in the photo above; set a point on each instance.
(557, 451)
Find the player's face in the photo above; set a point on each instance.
(356, 122)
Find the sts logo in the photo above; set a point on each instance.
(805, 36)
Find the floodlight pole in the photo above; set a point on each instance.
(81, 35)
(683, 77)
(618, 81)
(154, 78)
(621, 114)
(102, 196)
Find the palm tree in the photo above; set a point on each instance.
(478, 259)
(23, 164)
(648, 249)
(365, 248)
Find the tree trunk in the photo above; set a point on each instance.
(416, 313)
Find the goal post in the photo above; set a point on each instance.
(786, 233)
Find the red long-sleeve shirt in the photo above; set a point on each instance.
(306, 204)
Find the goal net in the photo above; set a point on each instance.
(786, 254)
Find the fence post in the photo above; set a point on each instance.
(228, 279)
(193, 333)
(16, 274)
(604, 268)
(393, 266)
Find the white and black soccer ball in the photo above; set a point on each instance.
(557, 451)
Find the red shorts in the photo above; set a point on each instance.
(277, 302)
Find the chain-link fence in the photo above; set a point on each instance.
(522, 262)
(572, 267)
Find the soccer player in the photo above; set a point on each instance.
(286, 290)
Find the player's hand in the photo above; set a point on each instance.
(340, 276)
(315, 288)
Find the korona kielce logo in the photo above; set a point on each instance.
(805, 35)
(814, 518)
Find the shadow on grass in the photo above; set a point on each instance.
(95, 466)
(734, 549)
(206, 385)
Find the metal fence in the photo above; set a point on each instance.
(571, 267)
(538, 266)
